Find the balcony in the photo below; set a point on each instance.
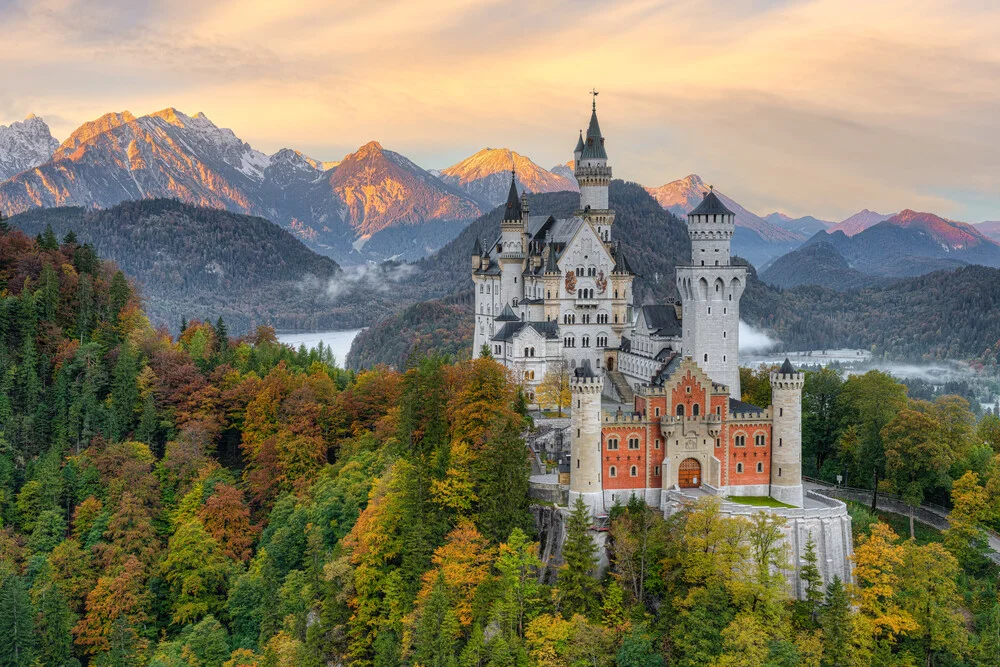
(586, 303)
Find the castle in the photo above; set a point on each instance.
(656, 409)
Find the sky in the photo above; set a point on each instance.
(812, 107)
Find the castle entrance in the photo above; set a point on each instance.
(611, 363)
(689, 474)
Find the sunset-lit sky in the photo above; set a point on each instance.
(818, 107)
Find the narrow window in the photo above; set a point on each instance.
(634, 471)
(680, 410)
(739, 467)
(695, 409)
(760, 467)
(612, 472)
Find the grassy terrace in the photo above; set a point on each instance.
(758, 501)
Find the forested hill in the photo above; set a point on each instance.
(941, 315)
(197, 262)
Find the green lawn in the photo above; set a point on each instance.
(759, 501)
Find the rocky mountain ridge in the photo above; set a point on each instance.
(24, 145)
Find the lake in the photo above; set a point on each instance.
(338, 341)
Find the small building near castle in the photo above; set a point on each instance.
(656, 404)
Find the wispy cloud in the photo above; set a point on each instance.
(812, 106)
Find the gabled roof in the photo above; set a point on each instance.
(507, 315)
(510, 329)
(786, 368)
(594, 147)
(512, 211)
(662, 320)
(711, 205)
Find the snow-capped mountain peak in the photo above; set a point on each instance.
(24, 145)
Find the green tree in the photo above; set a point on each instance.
(197, 572)
(835, 619)
(916, 458)
(54, 624)
(120, 294)
(637, 650)
(813, 581)
(577, 586)
(17, 639)
(124, 393)
(502, 478)
(437, 631)
(47, 239)
(518, 565)
(965, 537)
(929, 593)
(870, 402)
(821, 420)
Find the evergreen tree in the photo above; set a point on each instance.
(54, 625)
(813, 581)
(835, 619)
(503, 484)
(17, 640)
(437, 630)
(47, 239)
(124, 393)
(4, 225)
(184, 324)
(120, 294)
(222, 334)
(577, 586)
(70, 238)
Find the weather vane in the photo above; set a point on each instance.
(595, 94)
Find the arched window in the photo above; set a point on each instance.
(740, 441)
(633, 443)
(634, 471)
(739, 467)
(695, 409)
(760, 467)
(706, 357)
(680, 410)
(612, 472)
(612, 444)
(759, 440)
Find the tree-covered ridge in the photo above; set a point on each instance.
(192, 261)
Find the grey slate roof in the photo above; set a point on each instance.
(579, 144)
(786, 368)
(594, 148)
(662, 319)
(477, 249)
(507, 315)
(621, 261)
(625, 345)
(711, 205)
(513, 209)
(510, 329)
(742, 407)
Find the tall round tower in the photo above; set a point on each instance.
(585, 445)
(786, 434)
(594, 177)
(710, 289)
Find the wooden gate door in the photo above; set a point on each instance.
(689, 474)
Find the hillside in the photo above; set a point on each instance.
(806, 225)
(485, 176)
(859, 222)
(194, 262)
(941, 315)
(908, 244)
(332, 207)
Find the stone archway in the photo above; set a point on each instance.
(611, 363)
(689, 474)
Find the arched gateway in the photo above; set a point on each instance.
(689, 474)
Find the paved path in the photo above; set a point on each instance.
(931, 515)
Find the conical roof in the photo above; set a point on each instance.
(594, 148)
(507, 315)
(786, 368)
(579, 144)
(477, 248)
(711, 205)
(513, 209)
(621, 262)
(550, 262)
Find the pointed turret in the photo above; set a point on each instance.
(477, 255)
(593, 148)
(512, 211)
(578, 151)
(786, 368)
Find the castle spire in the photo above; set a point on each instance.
(513, 209)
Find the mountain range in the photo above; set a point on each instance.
(199, 262)
(907, 244)
(485, 176)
